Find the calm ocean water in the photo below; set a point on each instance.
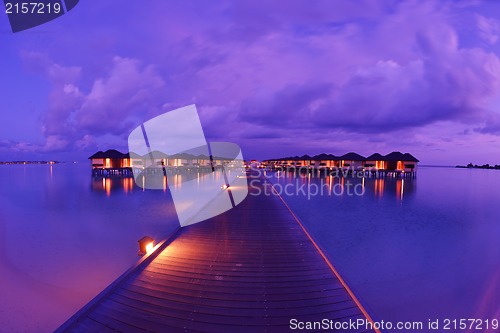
(415, 249)
(411, 249)
(65, 236)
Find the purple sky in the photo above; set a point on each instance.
(278, 78)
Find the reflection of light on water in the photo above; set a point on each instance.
(50, 168)
(379, 187)
(400, 183)
(164, 183)
(402, 188)
(128, 184)
(177, 181)
(363, 184)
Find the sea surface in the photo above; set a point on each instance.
(410, 249)
(65, 236)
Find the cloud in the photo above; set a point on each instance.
(407, 71)
(389, 96)
(260, 70)
(129, 91)
(489, 29)
(290, 105)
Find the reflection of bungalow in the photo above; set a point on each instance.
(351, 160)
(110, 159)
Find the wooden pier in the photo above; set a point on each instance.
(251, 269)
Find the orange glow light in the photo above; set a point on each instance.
(107, 186)
(146, 245)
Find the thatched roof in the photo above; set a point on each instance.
(410, 158)
(111, 153)
(324, 157)
(351, 157)
(375, 157)
(394, 156)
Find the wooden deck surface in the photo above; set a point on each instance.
(251, 269)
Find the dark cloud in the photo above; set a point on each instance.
(127, 94)
(289, 106)
(261, 70)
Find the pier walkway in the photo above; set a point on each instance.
(251, 269)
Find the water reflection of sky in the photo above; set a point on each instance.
(412, 249)
(173, 179)
(62, 241)
(319, 184)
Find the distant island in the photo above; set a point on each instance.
(475, 166)
(30, 162)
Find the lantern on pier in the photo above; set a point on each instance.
(146, 245)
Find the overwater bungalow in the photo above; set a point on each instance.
(288, 162)
(351, 160)
(154, 159)
(113, 162)
(110, 162)
(401, 162)
(202, 161)
(180, 160)
(325, 161)
(279, 162)
(110, 159)
(160, 159)
(395, 163)
(303, 161)
(375, 162)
